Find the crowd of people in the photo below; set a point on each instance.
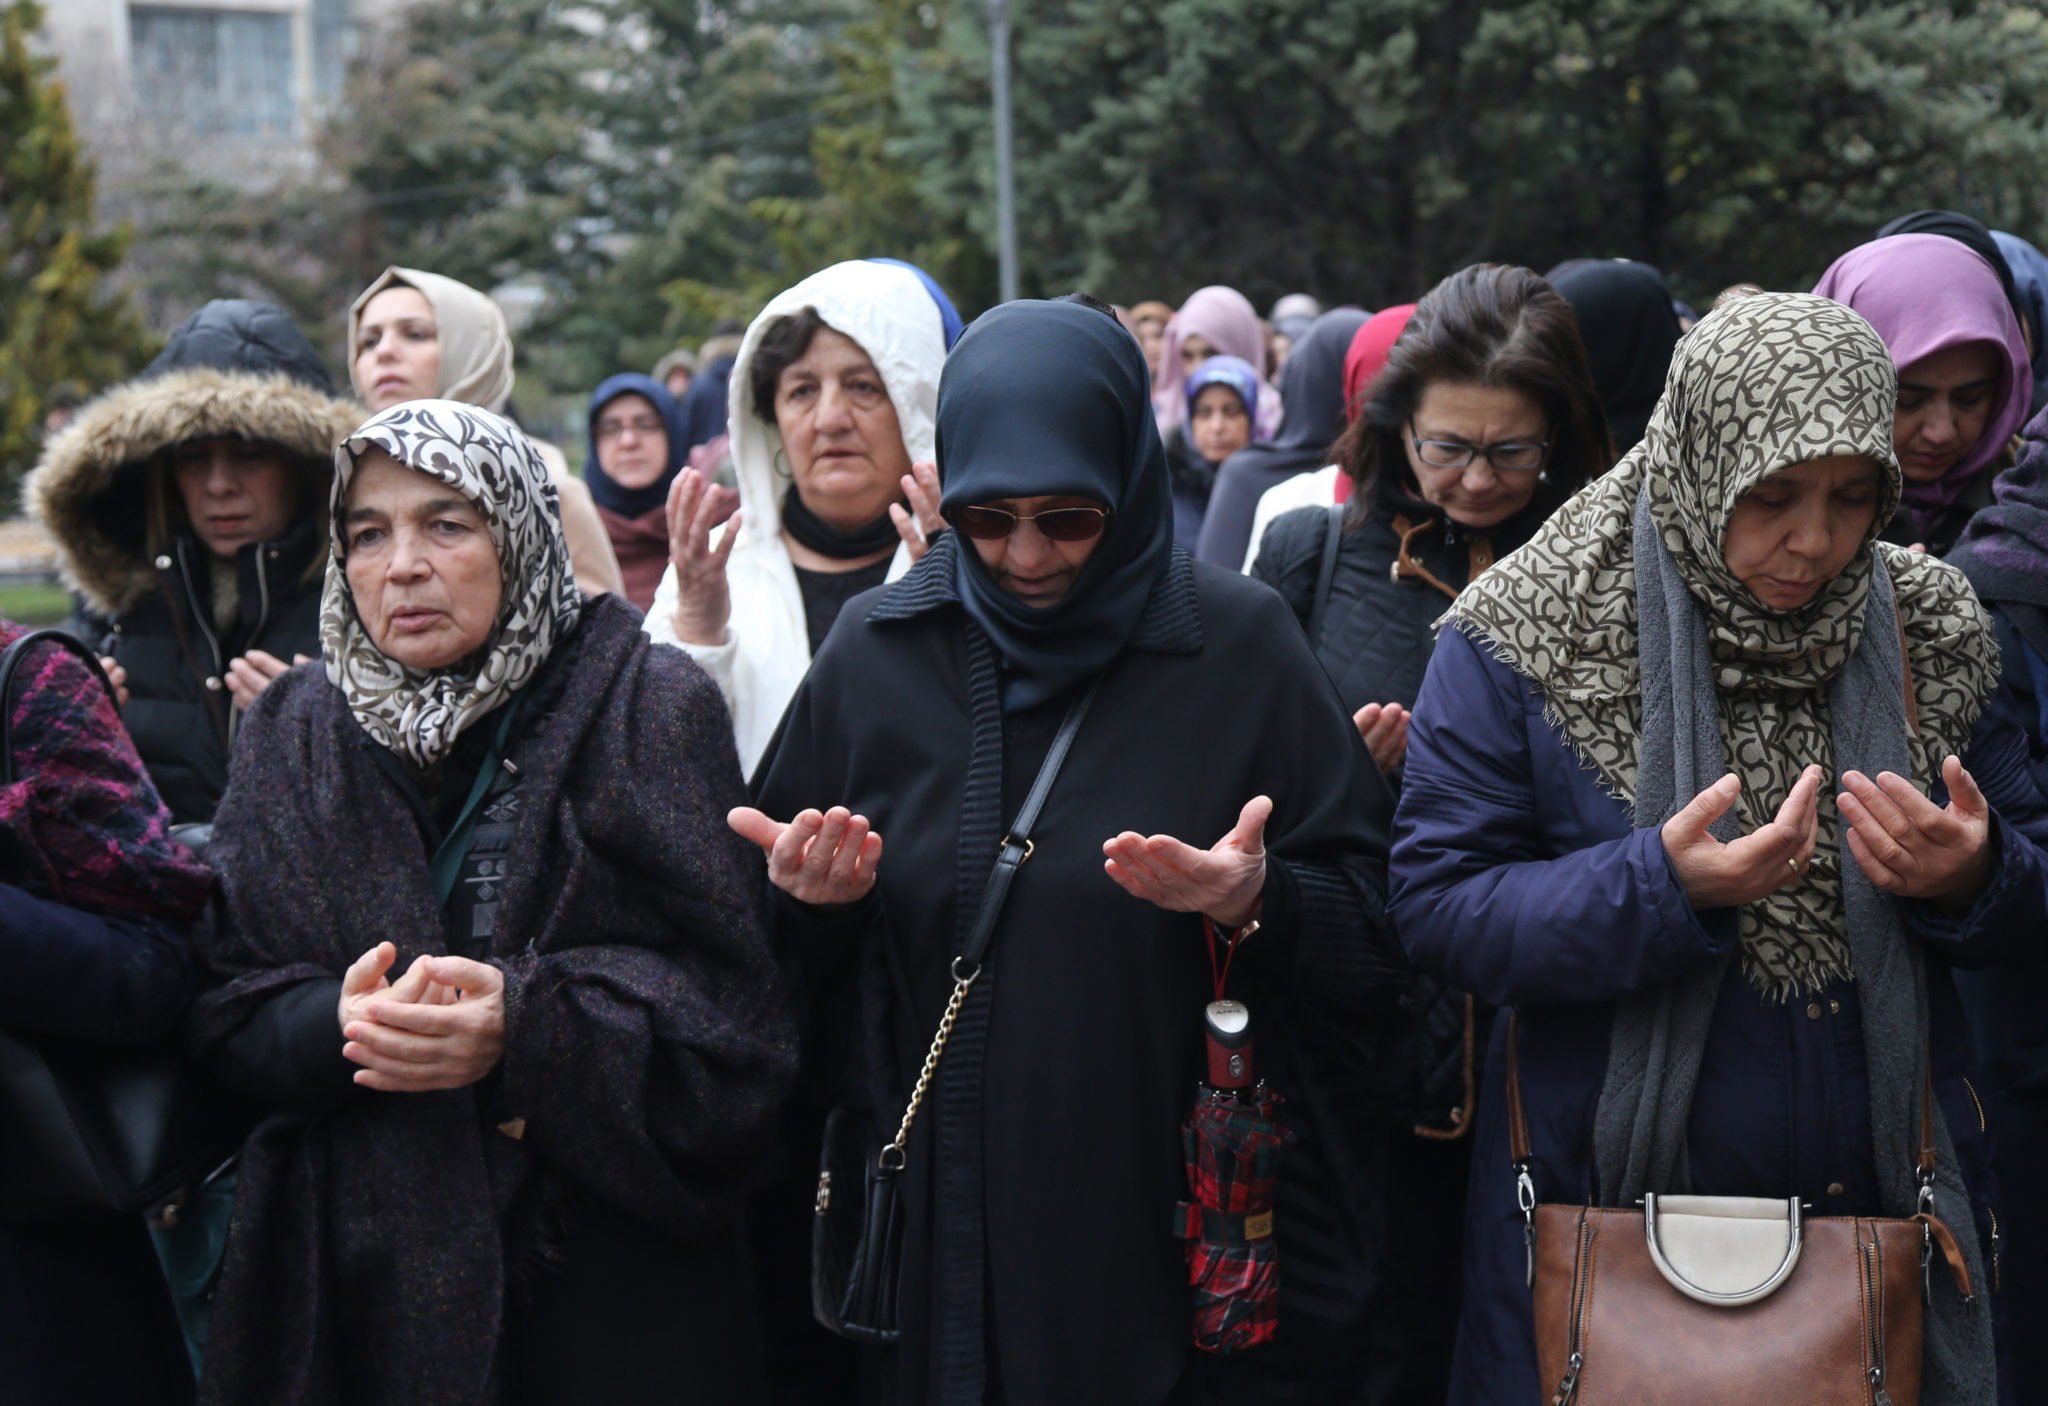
(1605, 748)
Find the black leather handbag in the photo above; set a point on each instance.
(89, 1129)
(857, 1235)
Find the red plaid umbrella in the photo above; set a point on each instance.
(1233, 1142)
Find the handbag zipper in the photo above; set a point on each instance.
(1873, 1316)
(1582, 1289)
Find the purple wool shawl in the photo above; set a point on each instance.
(1925, 293)
(648, 1037)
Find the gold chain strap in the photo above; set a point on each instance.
(931, 1065)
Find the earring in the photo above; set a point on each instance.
(780, 464)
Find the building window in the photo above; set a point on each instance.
(214, 73)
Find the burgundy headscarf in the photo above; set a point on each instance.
(1925, 293)
(1363, 364)
(1226, 320)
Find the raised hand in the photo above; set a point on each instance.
(920, 522)
(1384, 726)
(703, 597)
(1224, 881)
(253, 672)
(819, 857)
(1772, 857)
(1913, 848)
(446, 1035)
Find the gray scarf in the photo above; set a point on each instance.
(1659, 1037)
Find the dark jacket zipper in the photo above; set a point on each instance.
(1582, 1284)
(1984, 1126)
(203, 617)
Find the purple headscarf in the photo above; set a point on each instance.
(1226, 320)
(1232, 372)
(1925, 293)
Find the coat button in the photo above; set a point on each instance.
(214, 684)
(1813, 1011)
(1835, 1188)
(163, 563)
(1834, 1007)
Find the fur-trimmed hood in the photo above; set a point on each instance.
(91, 487)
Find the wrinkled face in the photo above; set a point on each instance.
(1194, 350)
(632, 441)
(397, 351)
(234, 492)
(1477, 495)
(1800, 528)
(839, 429)
(1028, 564)
(1219, 423)
(421, 564)
(1945, 401)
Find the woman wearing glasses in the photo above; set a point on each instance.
(1483, 422)
(833, 398)
(636, 451)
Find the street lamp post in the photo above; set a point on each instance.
(1006, 173)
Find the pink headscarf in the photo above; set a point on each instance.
(1226, 320)
(1363, 364)
(1925, 293)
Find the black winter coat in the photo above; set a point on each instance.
(234, 370)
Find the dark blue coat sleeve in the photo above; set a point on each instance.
(76, 975)
(1485, 896)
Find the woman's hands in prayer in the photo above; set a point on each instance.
(439, 1026)
(1384, 726)
(703, 597)
(920, 522)
(1913, 848)
(1774, 856)
(253, 672)
(819, 857)
(1225, 881)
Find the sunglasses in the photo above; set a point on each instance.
(1058, 524)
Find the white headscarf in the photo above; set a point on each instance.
(419, 713)
(476, 343)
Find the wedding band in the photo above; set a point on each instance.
(1793, 865)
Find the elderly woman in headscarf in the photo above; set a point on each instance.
(1965, 380)
(1702, 783)
(1628, 327)
(636, 451)
(833, 398)
(1214, 321)
(414, 335)
(489, 955)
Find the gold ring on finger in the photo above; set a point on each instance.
(1793, 865)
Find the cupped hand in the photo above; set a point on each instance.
(1224, 881)
(366, 981)
(447, 1034)
(1384, 726)
(920, 522)
(819, 857)
(1772, 857)
(118, 677)
(253, 672)
(1913, 848)
(703, 596)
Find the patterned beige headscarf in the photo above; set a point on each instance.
(1759, 385)
(419, 713)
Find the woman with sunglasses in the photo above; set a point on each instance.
(1039, 1262)
(1483, 421)
(833, 395)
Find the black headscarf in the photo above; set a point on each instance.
(1626, 322)
(1311, 419)
(1952, 224)
(1054, 398)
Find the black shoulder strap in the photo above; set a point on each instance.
(1326, 573)
(10, 663)
(1017, 846)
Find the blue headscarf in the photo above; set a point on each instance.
(1055, 398)
(1231, 371)
(949, 316)
(2030, 281)
(634, 502)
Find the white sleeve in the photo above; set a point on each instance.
(717, 660)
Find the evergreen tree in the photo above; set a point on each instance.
(59, 322)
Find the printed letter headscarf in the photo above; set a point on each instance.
(419, 713)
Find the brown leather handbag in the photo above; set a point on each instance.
(1720, 1300)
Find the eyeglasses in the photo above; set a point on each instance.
(642, 425)
(1058, 524)
(1521, 457)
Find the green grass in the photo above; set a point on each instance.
(35, 602)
